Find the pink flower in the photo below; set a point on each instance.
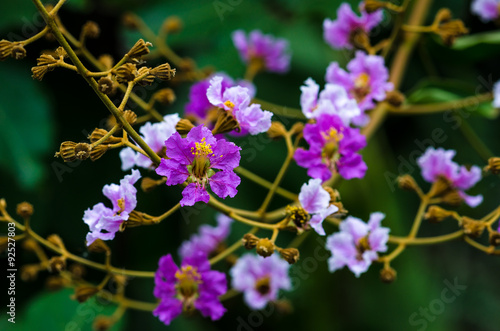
(488, 10)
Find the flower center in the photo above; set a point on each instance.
(332, 138)
(362, 246)
(361, 86)
(188, 280)
(263, 285)
(201, 152)
(298, 215)
(229, 104)
(121, 205)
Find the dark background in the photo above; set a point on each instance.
(35, 117)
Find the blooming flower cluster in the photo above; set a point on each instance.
(260, 279)
(264, 51)
(192, 286)
(488, 10)
(357, 243)
(154, 135)
(236, 100)
(199, 108)
(333, 147)
(437, 164)
(332, 100)
(104, 222)
(341, 32)
(366, 81)
(208, 238)
(195, 159)
(315, 207)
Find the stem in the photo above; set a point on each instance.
(442, 106)
(418, 29)
(280, 110)
(264, 183)
(36, 37)
(474, 140)
(418, 218)
(489, 250)
(169, 212)
(106, 136)
(426, 241)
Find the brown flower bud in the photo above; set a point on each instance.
(184, 126)
(290, 255)
(77, 270)
(24, 209)
(359, 38)
(29, 272)
(98, 151)
(173, 24)
(276, 131)
(437, 214)
(55, 283)
(373, 5)
(46, 59)
(395, 98)
(98, 134)
(265, 247)
(473, 228)
(164, 96)
(148, 79)
(67, 151)
(493, 165)
(90, 30)
(103, 323)
(3, 203)
(3, 244)
(250, 241)
(225, 122)
(297, 128)
(334, 194)
(388, 275)
(452, 198)
(56, 240)
(30, 244)
(84, 292)
(130, 21)
(407, 182)
(130, 117)
(57, 264)
(139, 49)
(148, 184)
(163, 72)
(18, 52)
(5, 49)
(98, 246)
(137, 218)
(447, 28)
(494, 238)
(187, 64)
(107, 61)
(283, 306)
(106, 86)
(61, 52)
(443, 15)
(126, 73)
(440, 186)
(39, 72)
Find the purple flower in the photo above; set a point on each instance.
(196, 159)
(332, 100)
(315, 201)
(199, 108)
(357, 243)
(338, 33)
(193, 286)
(496, 95)
(332, 148)
(437, 163)
(237, 99)
(366, 81)
(104, 222)
(264, 50)
(208, 238)
(488, 10)
(260, 278)
(154, 135)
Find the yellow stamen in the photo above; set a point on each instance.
(229, 104)
(202, 149)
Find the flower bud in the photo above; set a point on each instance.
(290, 255)
(493, 165)
(408, 183)
(103, 323)
(46, 59)
(3, 244)
(184, 126)
(437, 214)
(147, 78)
(84, 292)
(29, 272)
(164, 96)
(18, 52)
(226, 122)
(388, 275)
(250, 241)
(265, 247)
(130, 21)
(440, 186)
(163, 72)
(97, 134)
(90, 30)
(67, 151)
(77, 270)
(30, 244)
(130, 117)
(98, 151)
(56, 241)
(24, 209)
(494, 238)
(55, 283)
(106, 86)
(139, 49)
(98, 246)
(452, 198)
(107, 61)
(297, 128)
(276, 131)
(148, 184)
(173, 24)
(57, 264)
(395, 98)
(61, 52)
(126, 73)
(473, 228)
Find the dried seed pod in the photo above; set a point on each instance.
(24, 209)
(493, 165)
(90, 30)
(130, 116)
(82, 151)
(184, 126)
(107, 61)
(163, 72)
(130, 21)
(408, 183)
(98, 151)
(277, 130)
(126, 73)
(388, 275)
(395, 98)
(46, 59)
(173, 24)
(146, 80)
(84, 292)
(57, 264)
(18, 52)
(265, 247)
(98, 134)
(39, 72)
(98, 246)
(164, 96)
(250, 241)
(106, 85)
(226, 122)
(139, 49)
(473, 228)
(60, 52)
(5, 49)
(437, 214)
(290, 255)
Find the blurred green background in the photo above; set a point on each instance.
(35, 117)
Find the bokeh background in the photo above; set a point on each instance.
(35, 117)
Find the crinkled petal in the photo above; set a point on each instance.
(194, 193)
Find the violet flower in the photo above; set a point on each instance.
(488, 10)
(437, 164)
(338, 34)
(154, 135)
(332, 100)
(315, 207)
(104, 222)
(265, 51)
(193, 286)
(208, 238)
(237, 100)
(333, 148)
(357, 243)
(366, 81)
(196, 159)
(496, 95)
(260, 279)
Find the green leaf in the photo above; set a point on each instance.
(57, 311)
(431, 95)
(26, 130)
(492, 38)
